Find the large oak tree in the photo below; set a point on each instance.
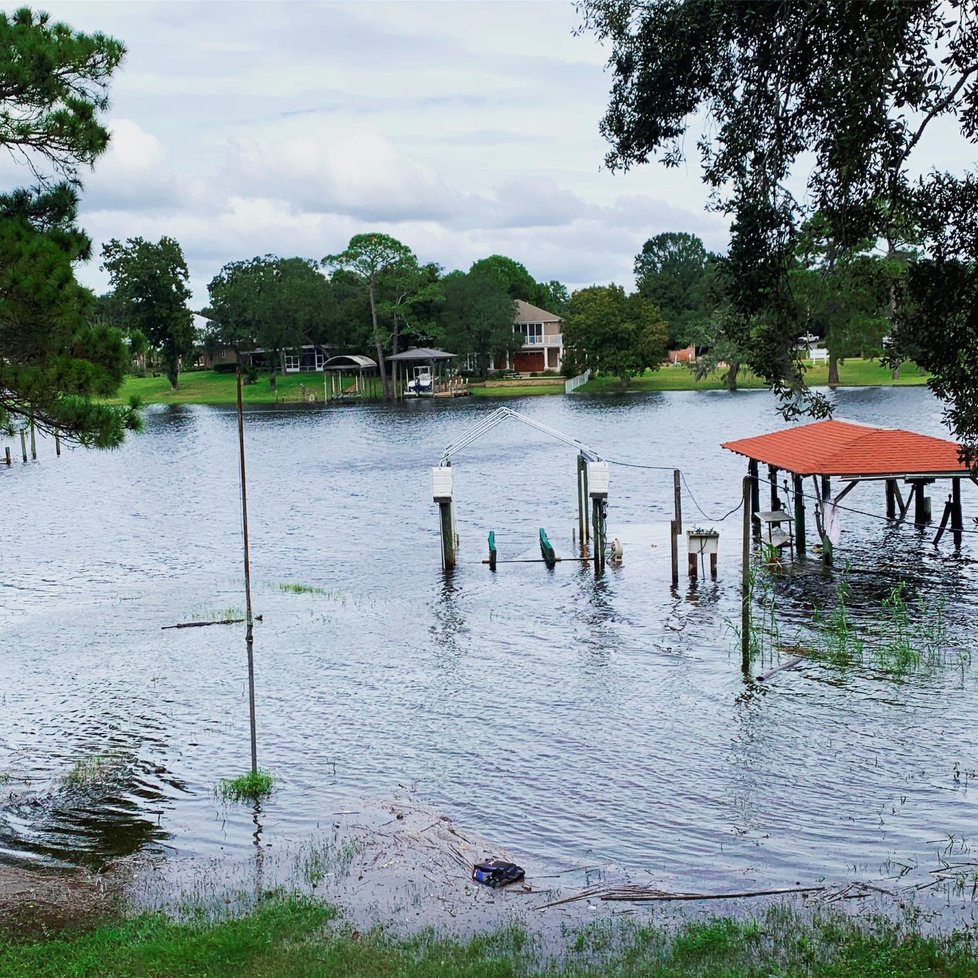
(814, 106)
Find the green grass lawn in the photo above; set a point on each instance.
(294, 939)
(852, 373)
(207, 387)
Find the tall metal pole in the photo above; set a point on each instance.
(249, 634)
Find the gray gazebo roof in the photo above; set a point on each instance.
(354, 360)
(423, 353)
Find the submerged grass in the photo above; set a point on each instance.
(253, 786)
(901, 638)
(90, 770)
(288, 938)
(303, 589)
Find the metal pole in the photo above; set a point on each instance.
(745, 585)
(581, 500)
(249, 634)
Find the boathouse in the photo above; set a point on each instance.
(853, 454)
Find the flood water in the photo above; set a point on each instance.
(576, 721)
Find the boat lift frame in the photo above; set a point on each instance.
(586, 457)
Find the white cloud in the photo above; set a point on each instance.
(463, 129)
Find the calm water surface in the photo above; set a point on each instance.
(577, 722)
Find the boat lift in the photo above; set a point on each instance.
(592, 483)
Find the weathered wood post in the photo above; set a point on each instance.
(597, 473)
(6, 454)
(441, 490)
(23, 444)
(957, 517)
(33, 440)
(57, 445)
(677, 525)
(755, 495)
(745, 585)
(891, 491)
(581, 502)
(799, 514)
(586, 539)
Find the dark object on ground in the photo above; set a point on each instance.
(496, 872)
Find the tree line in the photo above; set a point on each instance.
(869, 251)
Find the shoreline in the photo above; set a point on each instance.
(404, 867)
(208, 387)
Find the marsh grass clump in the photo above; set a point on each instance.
(302, 589)
(216, 614)
(321, 859)
(253, 786)
(90, 770)
(902, 638)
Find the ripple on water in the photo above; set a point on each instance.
(582, 722)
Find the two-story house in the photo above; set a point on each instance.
(543, 342)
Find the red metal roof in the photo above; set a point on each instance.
(847, 449)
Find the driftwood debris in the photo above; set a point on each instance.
(649, 894)
(790, 664)
(203, 624)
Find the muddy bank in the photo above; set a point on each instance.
(406, 866)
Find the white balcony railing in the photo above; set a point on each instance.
(557, 339)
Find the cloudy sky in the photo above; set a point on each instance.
(462, 128)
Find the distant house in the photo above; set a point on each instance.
(543, 341)
(303, 359)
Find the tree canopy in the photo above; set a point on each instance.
(150, 280)
(610, 332)
(671, 271)
(813, 106)
(269, 302)
(389, 273)
(476, 319)
(53, 363)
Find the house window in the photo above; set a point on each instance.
(292, 361)
(531, 332)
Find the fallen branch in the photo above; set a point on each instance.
(790, 664)
(643, 895)
(203, 624)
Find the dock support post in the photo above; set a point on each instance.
(441, 490)
(745, 584)
(957, 518)
(586, 539)
(891, 491)
(755, 495)
(598, 491)
(598, 518)
(581, 504)
(798, 491)
(677, 525)
(57, 445)
(6, 455)
(33, 440)
(921, 503)
(23, 444)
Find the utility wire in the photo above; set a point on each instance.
(804, 495)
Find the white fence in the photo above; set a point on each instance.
(575, 382)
